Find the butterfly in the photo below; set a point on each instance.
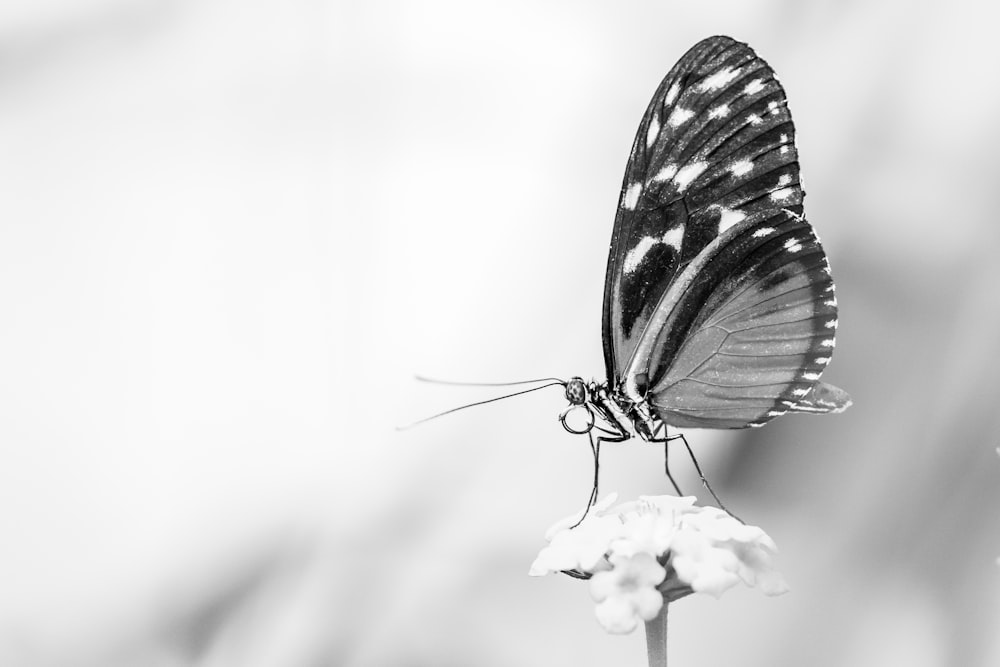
(719, 306)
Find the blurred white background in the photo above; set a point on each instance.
(230, 233)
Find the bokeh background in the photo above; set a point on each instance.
(231, 232)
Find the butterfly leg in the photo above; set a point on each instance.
(701, 475)
(595, 444)
(590, 425)
(595, 447)
(652, 433)
(666, 457)
(614, 433)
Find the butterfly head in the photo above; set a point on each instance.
(576, 391)
(579, 394)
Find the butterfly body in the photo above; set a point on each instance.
(621, 414)
(719, 306)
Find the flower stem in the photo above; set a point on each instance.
(656, 638)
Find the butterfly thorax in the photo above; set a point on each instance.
(621, 414)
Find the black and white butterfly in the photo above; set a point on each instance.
(719, 306)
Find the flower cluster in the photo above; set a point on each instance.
(640, 554)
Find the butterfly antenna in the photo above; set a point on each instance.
(424, 378)
(472, 405)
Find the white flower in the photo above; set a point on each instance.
(650, 523)
(640, 553)
(583, 548)
(578, 547)
(572, 520)
(627, 592)
(713, 552)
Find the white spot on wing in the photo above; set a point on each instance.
(672, 93)
(784, 179)
(635, 256)
(652, 132)
(801, 392)
(719, 80)
(776, 413)
(673, 237)
(829, 342)
(791, 245)
(782, 194)
(666, 173)
(754, 86)
(754, 119)
(632, 196)
(679, 116)
(810, 376)
(832, 324)
(729, 217)
(831, 302)
(686, 175)
(720, 111)
(741, 167)
(763, 231)
(823, 360)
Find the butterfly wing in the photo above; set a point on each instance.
(714, 157)
(760, 318)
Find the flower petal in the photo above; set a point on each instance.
(647, 603)
(581, 548)
(617, 616)
(595, 510)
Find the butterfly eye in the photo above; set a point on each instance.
(576, 391)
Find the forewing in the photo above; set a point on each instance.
(758, 329)
(715, 146)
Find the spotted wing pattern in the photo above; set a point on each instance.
(716, 144)
(745, 337)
